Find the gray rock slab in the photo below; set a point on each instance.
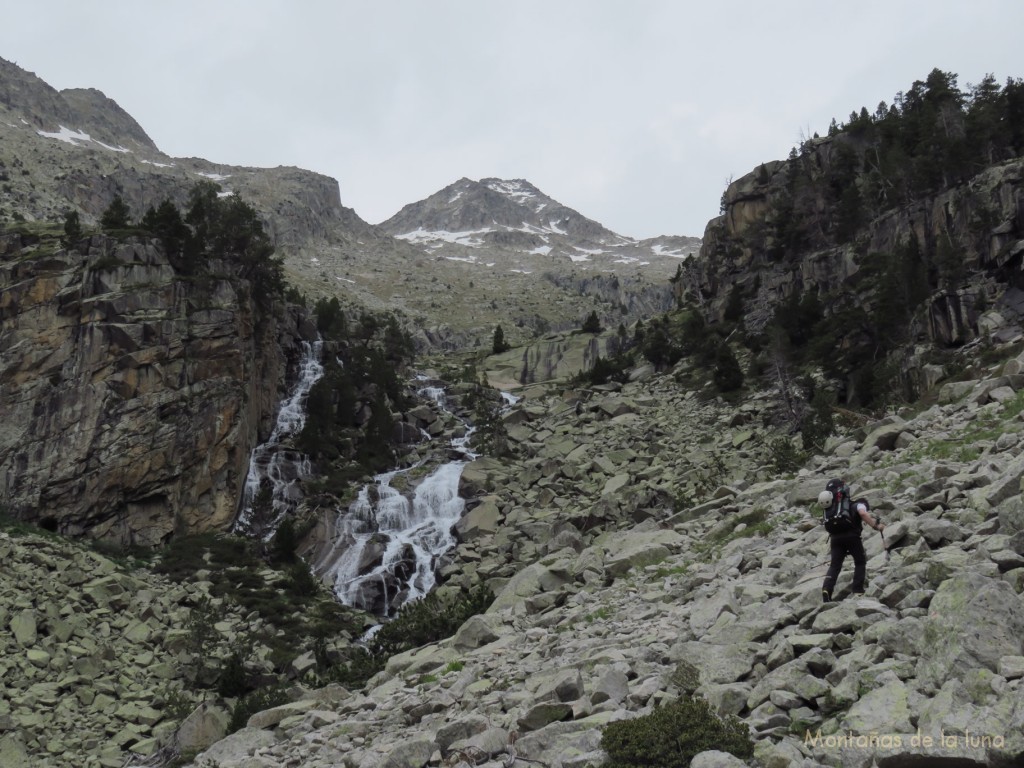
(237, 746)
(714, 758)
(973, 621)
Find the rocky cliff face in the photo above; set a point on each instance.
(76, 149)
(555, 356)
(131, 396)
(980, 222)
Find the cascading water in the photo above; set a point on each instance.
(276, 467)
(385, 549)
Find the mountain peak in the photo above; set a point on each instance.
(511, 220)
(86, 113)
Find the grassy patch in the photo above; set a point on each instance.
(1014, 407)
(756, 522)
(257, 701)
(601, 613)
(675, 570)
(800, 727)
(126, 558)
(648, 561)
(14, 527)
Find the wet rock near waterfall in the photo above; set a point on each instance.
(389, 545)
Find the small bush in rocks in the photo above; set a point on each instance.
(429, 619)
(672, 735)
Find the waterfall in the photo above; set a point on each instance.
(385, 549)
(275, 464)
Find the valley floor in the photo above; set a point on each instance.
(928, 665)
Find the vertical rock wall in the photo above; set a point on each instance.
(130, 396)
(984, 218)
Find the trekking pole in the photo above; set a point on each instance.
(885, 547)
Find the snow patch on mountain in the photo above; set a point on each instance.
(77, 138)
(423, 236)
(67, 135)
(512, 223)
(512, 189)
(660, 250)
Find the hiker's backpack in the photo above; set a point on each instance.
(839, 516)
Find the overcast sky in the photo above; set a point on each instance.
(633, 112)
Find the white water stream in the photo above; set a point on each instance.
(385, 549)
(276, 462)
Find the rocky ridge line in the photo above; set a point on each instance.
(76, 149)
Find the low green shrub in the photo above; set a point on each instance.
(605, 369)
(428, 620)
(233, 680)
(359, 666)
(301, 582)
(786, 458)
(672, 735)
(257, 701)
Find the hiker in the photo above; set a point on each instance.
(844, 521)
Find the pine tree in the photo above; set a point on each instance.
(499, 345)
(728, 375)
(166, 223)
(117, 215)
(72, 229)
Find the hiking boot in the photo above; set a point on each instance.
(826, 596)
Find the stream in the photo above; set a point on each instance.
(274, 464)
(385, 549)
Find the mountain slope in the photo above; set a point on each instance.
(76, 149)
(86, 112)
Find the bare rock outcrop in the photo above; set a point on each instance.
(131, 397)
(982, 218)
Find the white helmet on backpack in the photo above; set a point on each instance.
(825, 499)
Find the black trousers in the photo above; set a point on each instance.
(843, 545)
